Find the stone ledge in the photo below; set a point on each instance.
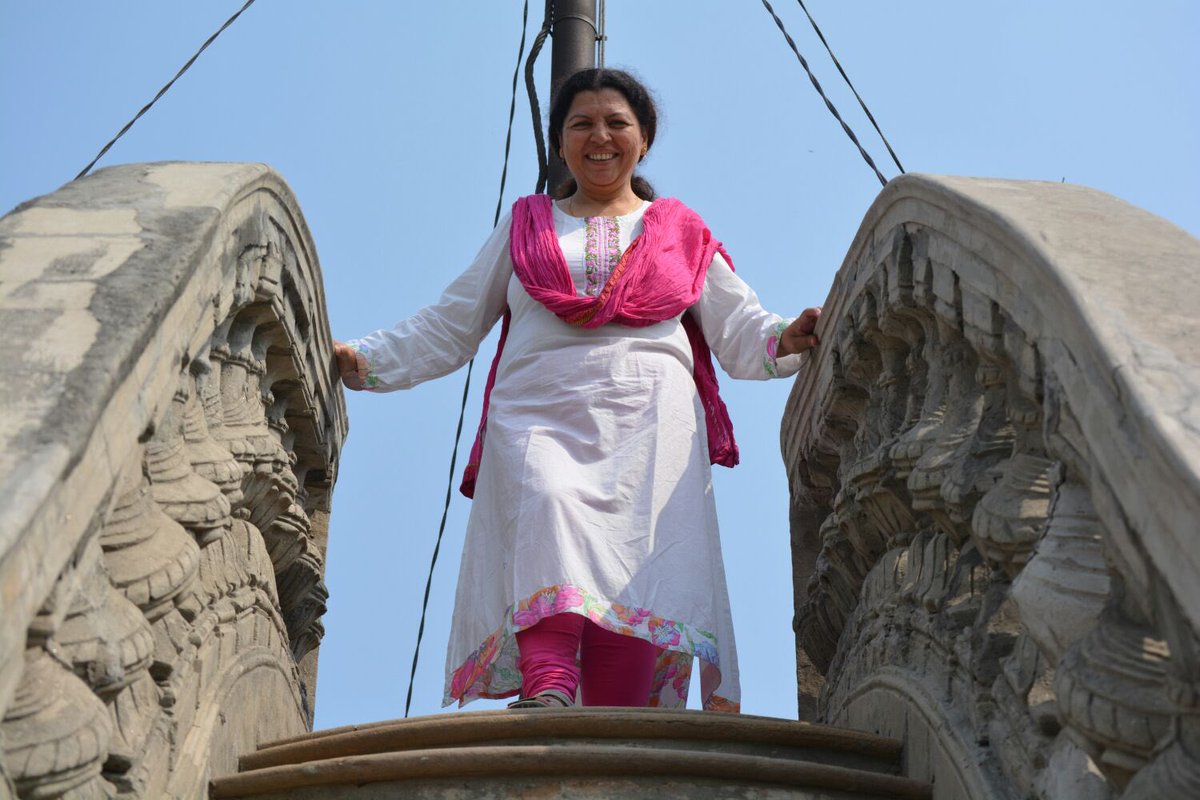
(676, 730)
(478, 767)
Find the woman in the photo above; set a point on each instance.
(592, 564)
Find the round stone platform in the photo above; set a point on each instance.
(576, 753)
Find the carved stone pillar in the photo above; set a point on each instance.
(1007, 572)
(183, 411)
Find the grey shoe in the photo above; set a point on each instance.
(551, 698)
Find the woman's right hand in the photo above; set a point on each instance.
(801, 334)
(346, 360)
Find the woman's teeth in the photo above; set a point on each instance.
(601, 156)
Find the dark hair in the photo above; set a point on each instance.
(593, 80)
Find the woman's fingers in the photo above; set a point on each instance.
(808, 319)
(799, 336)
(347, 365)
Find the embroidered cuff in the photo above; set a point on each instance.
(370, 381)
(770, 361)
(777, 366)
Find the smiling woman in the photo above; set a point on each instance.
(592, 563)
(602, 124)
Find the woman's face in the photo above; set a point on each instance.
(602, 142)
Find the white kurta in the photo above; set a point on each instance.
(594, 494)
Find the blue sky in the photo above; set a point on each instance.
(388, 118)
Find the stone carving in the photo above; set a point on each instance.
(1009, 519)
(56, 732)
(163, 566)
(1175, 771)
(1111, 692)
(194, 502)
(151, 559)
(1001, 514)
(1067, 574)
(105, 637)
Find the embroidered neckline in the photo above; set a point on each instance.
(638, 210)
(601, 252)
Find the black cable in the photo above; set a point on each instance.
(163, 90)
(512, 108)
(412, 676)
(601, 36)
(820, 91)
(531, 89)
(846, 77)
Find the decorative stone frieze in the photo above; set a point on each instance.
(1111, 691)
(170, 428)
(56, 732)
(997, 448)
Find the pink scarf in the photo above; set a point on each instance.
(660, 276)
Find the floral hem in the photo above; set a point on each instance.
(770, 362)
(718, 703)
(491, 670)
(370, 381)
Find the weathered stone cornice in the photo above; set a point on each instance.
(122, 300)
(994, 461)
(1108, 291)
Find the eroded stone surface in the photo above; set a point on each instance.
(135, 579)
(999, 444)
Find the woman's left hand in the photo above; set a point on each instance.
(347, 365)
(799, 336)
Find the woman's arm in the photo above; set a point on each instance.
(749, 341)
(439, 338)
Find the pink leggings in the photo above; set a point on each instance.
(616, 670)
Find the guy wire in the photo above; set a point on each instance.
(846, 77)
(828, 103)
(601, 38)
(162, 91)
(531, 89)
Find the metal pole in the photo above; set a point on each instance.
(574, 48)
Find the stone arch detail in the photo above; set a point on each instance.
(890, 703)
(995, 481)
(170, 438)
(220, 731)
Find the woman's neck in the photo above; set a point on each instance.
(582, 204)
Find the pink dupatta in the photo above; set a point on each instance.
(659, 276)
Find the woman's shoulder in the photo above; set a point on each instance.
(532, 211)
(534, 200)
(673, 209)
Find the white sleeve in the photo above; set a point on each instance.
(442, 337)
(740, 332)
